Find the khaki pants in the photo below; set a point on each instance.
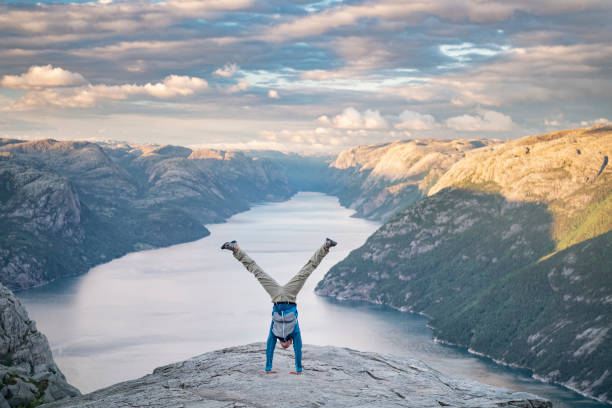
(278, 293)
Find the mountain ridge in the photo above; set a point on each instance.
(68, 206)
(459, 254)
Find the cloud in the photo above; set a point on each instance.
(44, 76)
(552, 122)
(409, 120)
(539, 73)
(86, 96)
(241, 85)
(252, 144)
(175, 85)
(351, 118)
(559, 121)
(108, 18)
(208, 5)
(417, 11)
(227, 71)
(318, 139)
(464, 52)
(484, 120)
(594, 122)
(385, 55)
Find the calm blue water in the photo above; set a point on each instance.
(124, 318)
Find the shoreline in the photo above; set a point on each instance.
(469, 350)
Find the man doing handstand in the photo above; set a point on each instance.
(284, 326)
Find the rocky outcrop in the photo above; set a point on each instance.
(378, 180)
(335, 377)
(510, 256)
(40, 213)
(567, 171)
(28, 374)
(68, 206)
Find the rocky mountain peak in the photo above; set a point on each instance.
(539, 168)
(207, 154)
(568, 171)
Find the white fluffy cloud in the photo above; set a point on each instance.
(484, 120)
(90, 95)
(351, 118)
(174, 85)
(409, 120)
(227, 71)
(44, 76)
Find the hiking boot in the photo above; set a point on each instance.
(330, 243)
(232, 246)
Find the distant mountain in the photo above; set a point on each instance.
(28, 374)
(67, 206)
(303, 172)
(378, 180)
(510, 255)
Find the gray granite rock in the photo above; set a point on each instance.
(334, 377)
(28, 373)
(66, 206)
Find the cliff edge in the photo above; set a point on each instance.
(335, 377)
(28, 374)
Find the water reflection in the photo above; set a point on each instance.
(124, 318)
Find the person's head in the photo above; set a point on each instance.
(287, 343)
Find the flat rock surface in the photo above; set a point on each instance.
(334, 377)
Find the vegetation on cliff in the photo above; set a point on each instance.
(509, 256)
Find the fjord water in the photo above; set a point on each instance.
(126, 317)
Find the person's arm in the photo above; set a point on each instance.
(297, 351)
(270, 345)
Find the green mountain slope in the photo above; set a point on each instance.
(509, 256)
(553, 316)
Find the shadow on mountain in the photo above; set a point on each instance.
(484, 270)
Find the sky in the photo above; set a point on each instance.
(300, 75)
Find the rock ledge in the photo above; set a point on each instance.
(334, 377)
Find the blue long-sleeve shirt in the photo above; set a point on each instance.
(282, 308)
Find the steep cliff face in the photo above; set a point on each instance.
(378, 180)
(41, 220)
(28, 374)
(67, 206)
(334, 377)
(509, 256)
